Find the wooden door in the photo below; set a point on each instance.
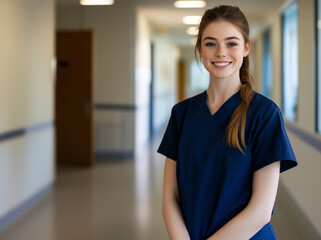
(181, 81)
(74, 94)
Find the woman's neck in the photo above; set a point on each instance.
(220, 90)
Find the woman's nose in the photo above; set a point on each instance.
(220, 52)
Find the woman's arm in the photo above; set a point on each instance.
(258, 212)
(171, 211)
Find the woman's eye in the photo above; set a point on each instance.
(232, 44)
(210, 44)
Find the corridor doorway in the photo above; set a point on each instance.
(74, 98)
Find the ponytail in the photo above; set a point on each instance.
(236, 128)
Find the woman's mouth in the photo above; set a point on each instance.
(221, 64)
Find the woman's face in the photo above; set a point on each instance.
(222, 50)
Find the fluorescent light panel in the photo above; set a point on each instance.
(189, 4)
(96, 2)
(192, 19)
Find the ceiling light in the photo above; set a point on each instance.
(192, 19)
(96, 2)
(192, 30)
(189, 4)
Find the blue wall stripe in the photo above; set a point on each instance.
(24, 131)
(308, 138)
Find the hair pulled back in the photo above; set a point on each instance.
(235, 130)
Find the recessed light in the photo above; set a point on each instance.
(192, 19)
(189, 4)
(96, 2)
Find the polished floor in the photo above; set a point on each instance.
(117, 199)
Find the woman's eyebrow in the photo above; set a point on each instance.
(228, 38)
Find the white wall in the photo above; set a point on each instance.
(306, 98)
(276, 55)
(187, 56)
(302, 182)
(165, 80)
(256, 56)
(142, 79)
(26, 99)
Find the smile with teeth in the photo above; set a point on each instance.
(221, 64)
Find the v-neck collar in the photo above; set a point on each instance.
(227, 107)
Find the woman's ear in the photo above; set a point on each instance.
(247, 49)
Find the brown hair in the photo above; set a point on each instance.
(235, 130)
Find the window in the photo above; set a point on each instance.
(318, 66)
(267, 66)
(290, 62)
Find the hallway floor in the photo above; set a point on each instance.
(117, 199)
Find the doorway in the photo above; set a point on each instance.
(73, 98)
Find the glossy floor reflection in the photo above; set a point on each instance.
(117, 199)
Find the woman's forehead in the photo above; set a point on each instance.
(221, 30)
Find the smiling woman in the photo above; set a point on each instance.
(232, 25)
(225, 147)
(223, 52)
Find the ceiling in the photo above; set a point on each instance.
(256, 11)
(167, 18)
(164, 17)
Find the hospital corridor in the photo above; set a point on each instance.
(87, 89)
(118, 199)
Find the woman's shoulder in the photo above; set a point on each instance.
(262, 109)
(261, 103)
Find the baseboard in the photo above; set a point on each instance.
(296, 215)
(17, 212)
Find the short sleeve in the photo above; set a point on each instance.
(169, 143)
(272, 144)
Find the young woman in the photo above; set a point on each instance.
(225, 147)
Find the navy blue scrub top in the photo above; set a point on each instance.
(214, 180)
